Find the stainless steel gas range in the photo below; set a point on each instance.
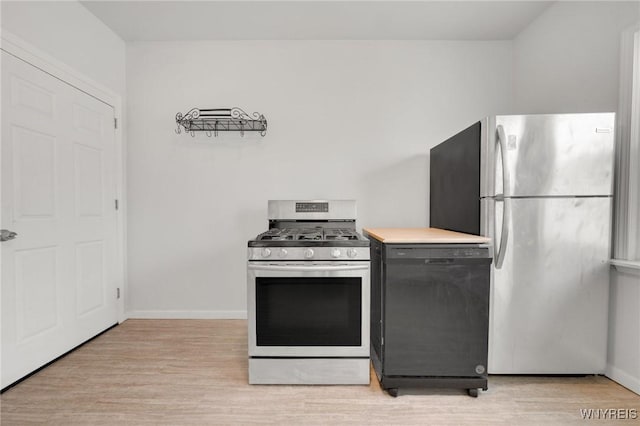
(308, 296)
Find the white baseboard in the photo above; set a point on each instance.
(187, 314)
(625, 379)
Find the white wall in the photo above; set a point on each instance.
(568, 60)
(347, 119)
(624, 328)
(70, 33)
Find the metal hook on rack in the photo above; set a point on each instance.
(178, 123)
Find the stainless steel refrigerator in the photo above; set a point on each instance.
(541, 187)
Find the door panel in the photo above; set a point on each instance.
(36, 291)
(90, 283)
(88, 180)
(559, 154)
(58, 187)
(436, 318)
(34, 174)
(258, 272)
(309, 311)
(549, 299)
(27, 94)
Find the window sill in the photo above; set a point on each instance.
(628, 266)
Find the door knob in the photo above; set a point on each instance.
(6, 235)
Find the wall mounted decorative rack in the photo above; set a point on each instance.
(212, 121)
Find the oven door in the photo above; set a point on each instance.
(308, 309)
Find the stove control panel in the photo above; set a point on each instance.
(308, 253)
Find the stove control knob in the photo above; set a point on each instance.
(308, 253)
(282, 253)
(335, 253)
(352, 253)
(266, 252)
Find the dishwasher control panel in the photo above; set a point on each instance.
(438, 251)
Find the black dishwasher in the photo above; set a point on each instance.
(430, 315)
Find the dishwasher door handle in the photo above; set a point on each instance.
(439, 261)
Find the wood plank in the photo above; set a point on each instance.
(423, 235)
(194, 372)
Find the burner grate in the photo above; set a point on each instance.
(275, 234)
(340, 234)
(309, 234)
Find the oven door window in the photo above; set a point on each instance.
(308, 311)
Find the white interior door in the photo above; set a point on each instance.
(59, 275)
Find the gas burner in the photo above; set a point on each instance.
(340, 234)
(309, 234)
(275, 234)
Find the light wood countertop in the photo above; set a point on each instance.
(423, 235)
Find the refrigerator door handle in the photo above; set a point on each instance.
(506, 209)
(504, 233)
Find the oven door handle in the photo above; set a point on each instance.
(314, 268)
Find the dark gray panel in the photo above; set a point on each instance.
(436, 318)
(454, 184)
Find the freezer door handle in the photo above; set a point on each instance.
(500, 198)
(501, 139)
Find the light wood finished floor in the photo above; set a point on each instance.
(195, 372)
